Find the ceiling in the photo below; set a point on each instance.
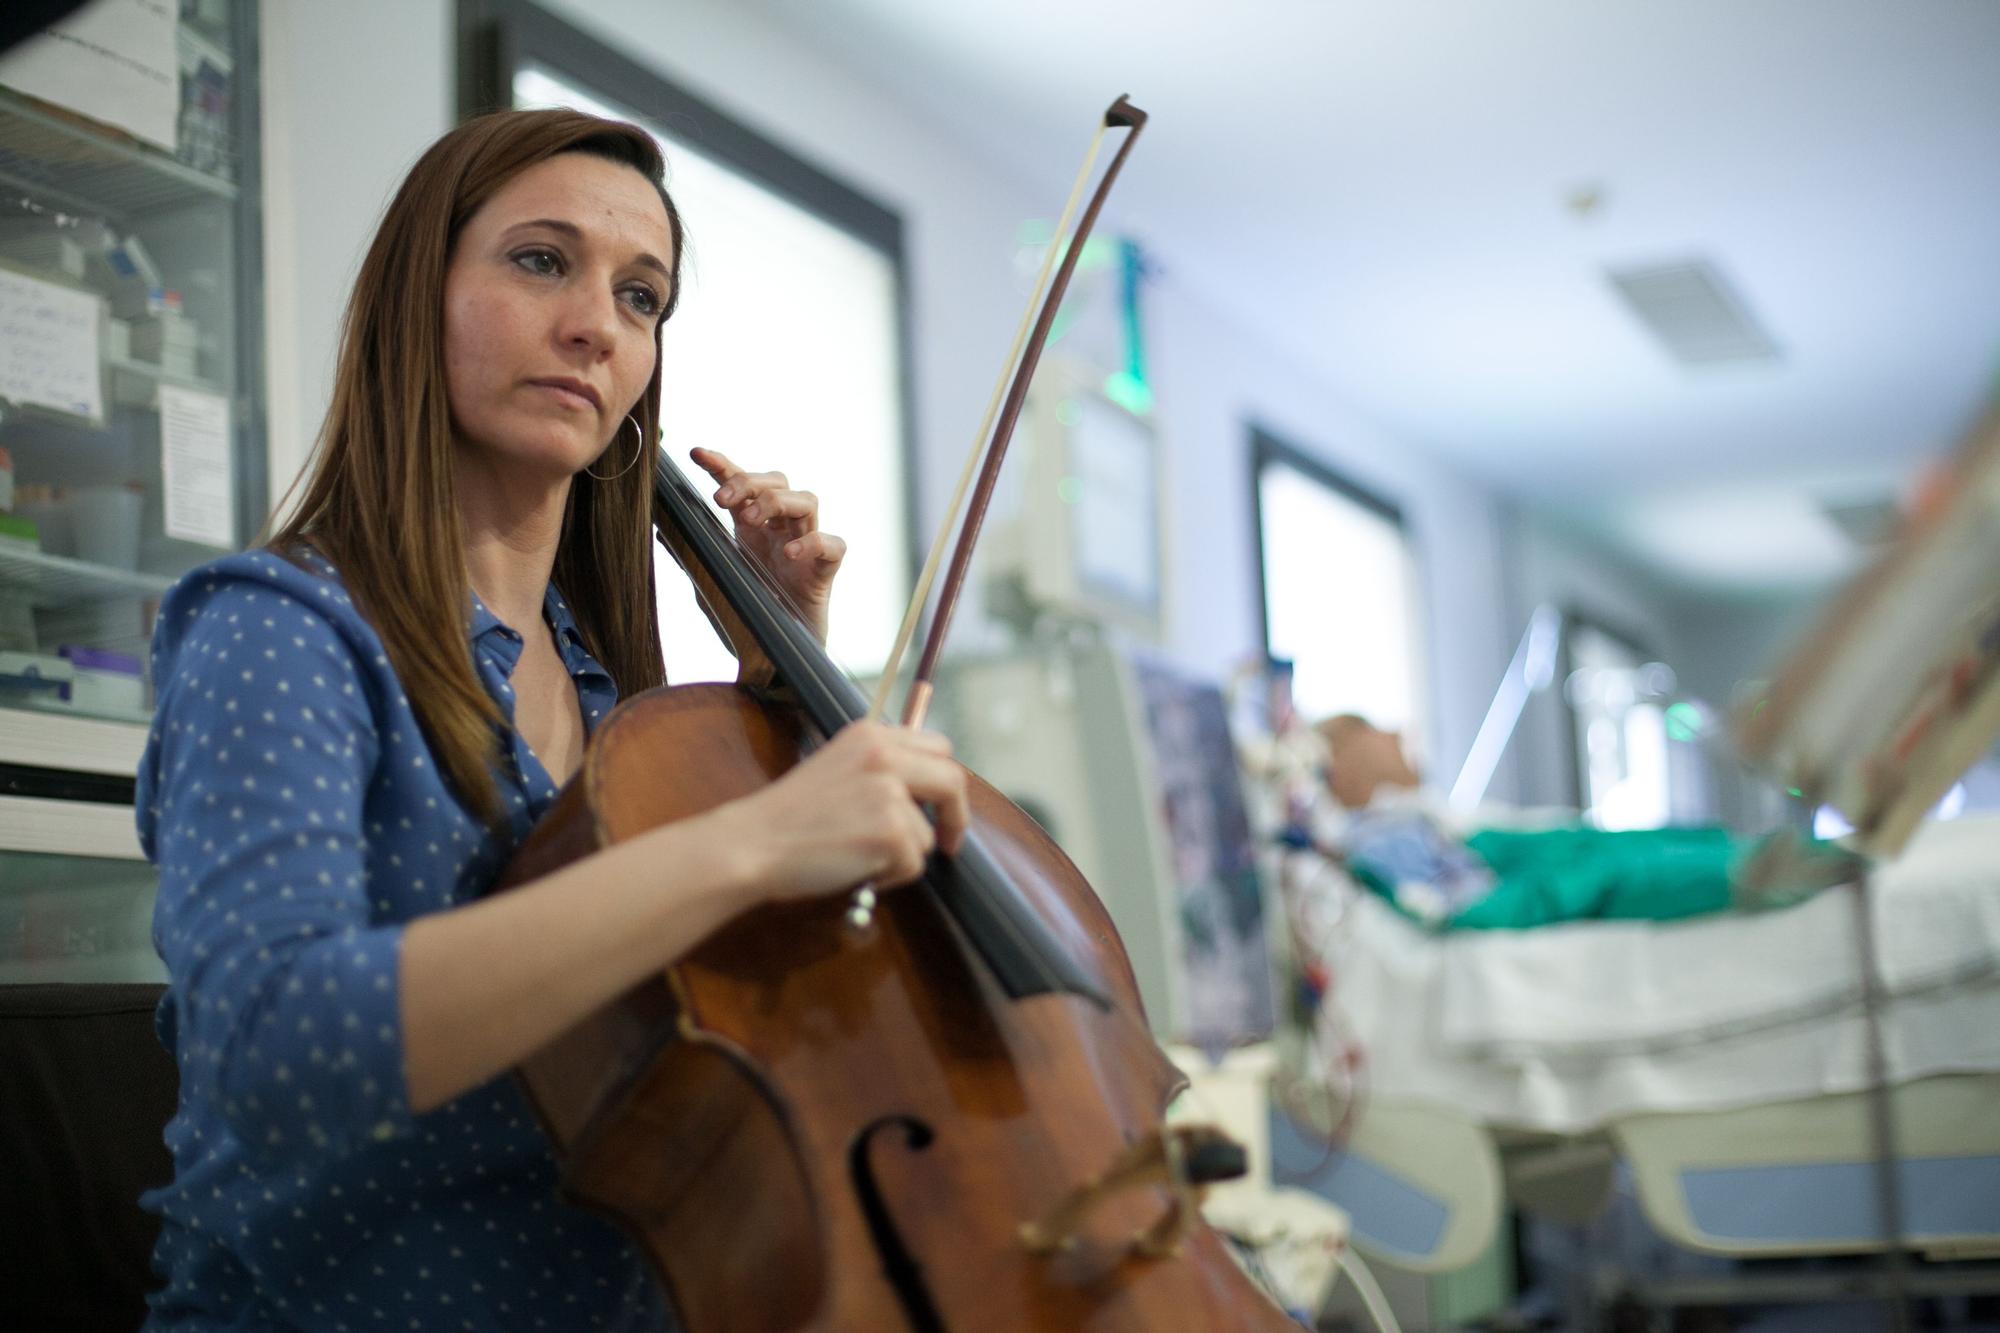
(1385, 187)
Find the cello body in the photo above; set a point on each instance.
(810, 1125)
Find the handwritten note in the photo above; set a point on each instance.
(112, 60)
(194, 465)
(48, 346)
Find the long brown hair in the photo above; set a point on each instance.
(379, 503)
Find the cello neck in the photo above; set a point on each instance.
(829, 699)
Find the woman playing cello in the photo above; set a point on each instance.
(361, 719)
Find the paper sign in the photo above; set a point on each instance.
(48, 346)
(195, 466)
(112, 60)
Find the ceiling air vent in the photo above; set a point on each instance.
(1692, 311)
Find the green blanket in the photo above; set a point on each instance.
(1575, 874)
(1581, 874)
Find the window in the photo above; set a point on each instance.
(1618, 699)
(1339, 590)
(786, 351)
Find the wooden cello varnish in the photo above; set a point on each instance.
(810, 1128)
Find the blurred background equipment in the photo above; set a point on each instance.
(1895, 695)
(1128, 766)
(1075, 528)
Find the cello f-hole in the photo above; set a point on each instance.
(898, 1264)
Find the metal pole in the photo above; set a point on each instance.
(1881, 1112)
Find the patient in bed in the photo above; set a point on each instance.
(1406, 846)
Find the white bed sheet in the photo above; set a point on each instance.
(1566, 1028)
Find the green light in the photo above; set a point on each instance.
(1098, 251)
(1131, 269)
(1068, 412)
(1683, 722)
(1128, 392)
(1037, 233)
(1070, 489)
(1793, 791)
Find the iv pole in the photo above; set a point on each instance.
(1532, 670)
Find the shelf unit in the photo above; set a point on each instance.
(74, 887)
(58, 580)
(91, 170)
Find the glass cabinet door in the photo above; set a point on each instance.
(76, 898)
(76, 893)
(130, 364)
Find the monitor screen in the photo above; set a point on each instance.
(1113, 504)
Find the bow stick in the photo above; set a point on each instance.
(1121, 112)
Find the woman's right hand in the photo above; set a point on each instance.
(849, 813)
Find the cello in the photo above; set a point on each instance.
(939, 1111)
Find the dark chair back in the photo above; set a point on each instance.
(85, 1089)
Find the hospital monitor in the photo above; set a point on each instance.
(1127, 763)
(1075, 525)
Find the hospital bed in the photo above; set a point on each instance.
(1724, 1060)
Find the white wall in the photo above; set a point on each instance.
(354, 92)
(1726, 641)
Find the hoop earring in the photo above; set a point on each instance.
(639, 441)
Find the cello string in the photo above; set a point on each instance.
(921, 594)
(791, 622)
(1023, 942)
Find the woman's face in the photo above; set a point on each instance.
(551, 301)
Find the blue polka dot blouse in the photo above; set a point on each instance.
(299, 823)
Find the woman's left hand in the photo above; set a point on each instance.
(780, 526)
